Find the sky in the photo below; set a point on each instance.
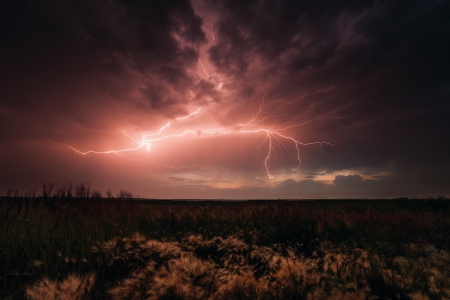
(208, 99)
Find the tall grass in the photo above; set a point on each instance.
(395, 249)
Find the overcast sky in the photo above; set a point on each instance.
(227, 99)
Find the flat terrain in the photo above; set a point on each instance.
(98, 248)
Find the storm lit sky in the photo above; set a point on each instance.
(227, 99)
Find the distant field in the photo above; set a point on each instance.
(78, 248)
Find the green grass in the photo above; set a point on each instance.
(117, 248)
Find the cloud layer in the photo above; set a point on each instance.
(370, 78)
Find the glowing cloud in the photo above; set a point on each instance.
(272, 135)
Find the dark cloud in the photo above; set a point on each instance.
(385, 61)
(177, 179)
(342, 180)
(91, 61)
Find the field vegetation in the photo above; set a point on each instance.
(68, 247)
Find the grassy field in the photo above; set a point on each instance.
(98, 248)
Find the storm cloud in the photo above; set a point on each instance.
(370, 79)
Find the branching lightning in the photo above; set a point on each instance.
(272, 135)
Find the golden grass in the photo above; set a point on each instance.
(72, 288)
(77, 249)
(249, 272)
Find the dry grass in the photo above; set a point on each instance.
(72, 288)
(265, 273)
(84, 249)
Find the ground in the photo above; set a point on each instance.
(97, 248)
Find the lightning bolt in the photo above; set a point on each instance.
(272, 135)
(219, 84)
(204, 70)
(209, 33)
